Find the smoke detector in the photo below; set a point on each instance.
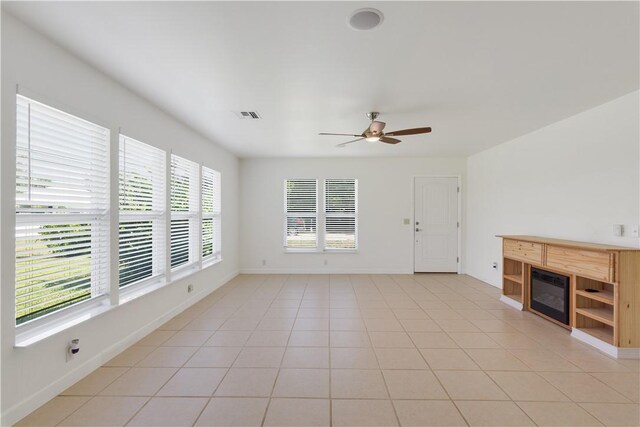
(365, 19)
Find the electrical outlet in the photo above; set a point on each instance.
(634, 231)
(406, 221)
(494, 265)
(189, 288)
(73, 348)
(326, 262)
(264, 262)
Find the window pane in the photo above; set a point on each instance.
(185, 206)
(340, 196)
(207, 237)
(142, 176)
(301, 232)
(179, 242)
(184, 185)
(53, 268)
(301, 195)
(136, 251)
(340, 233)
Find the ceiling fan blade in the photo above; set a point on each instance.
(389, 140)
(338, 134)
(349, 142)
(413, 131)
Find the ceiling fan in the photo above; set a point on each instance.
(375, 132)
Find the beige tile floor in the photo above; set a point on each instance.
(349, 350)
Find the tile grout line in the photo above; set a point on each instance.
(211, 397)
(275, 381)
(431, 370)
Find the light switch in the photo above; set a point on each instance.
(406, 221)
(618, 230)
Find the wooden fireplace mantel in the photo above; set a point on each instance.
(611, 315)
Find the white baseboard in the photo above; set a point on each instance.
(324, 271)
(611, 350)
(511, 302)
(33, 402)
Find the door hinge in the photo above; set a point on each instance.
(457, 259)
(458, 224)
(458, 189)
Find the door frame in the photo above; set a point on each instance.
(413, 218)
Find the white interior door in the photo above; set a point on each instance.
(436, 224)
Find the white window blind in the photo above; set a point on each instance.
(211, 215)
(340, 208)
(62, 202)
(301, 213)
(185, 211)
(142, 211)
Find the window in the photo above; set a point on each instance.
(211, 215)
(185, 211)
(336, 226)
(340, 208)
(62, 203)
(301, 214)
(142, 211)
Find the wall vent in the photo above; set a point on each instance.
(253, 115)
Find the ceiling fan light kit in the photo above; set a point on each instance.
(375, 132)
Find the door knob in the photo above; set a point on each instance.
(418, 229)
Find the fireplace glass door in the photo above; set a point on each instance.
(550, 294)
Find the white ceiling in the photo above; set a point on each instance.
(478, 73)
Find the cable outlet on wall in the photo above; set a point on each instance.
(494, 265)
(189, 288)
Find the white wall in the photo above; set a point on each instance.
(385, 188)
(31, 376)
(573, 179)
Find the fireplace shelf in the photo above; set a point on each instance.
(604, 283)
(605, 297)
(517, 278)
(602, 315)
(603, 334)
(513, 280)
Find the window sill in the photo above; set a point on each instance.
(140, 289)
(209, 262)
(29, 334)
(320, 251)
(184, 271)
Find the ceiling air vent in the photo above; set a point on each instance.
(248, 115)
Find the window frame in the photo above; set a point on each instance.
(157, 215)
(96, 216)
(215, 215)
(353, 215)
(300, 214)
(320, 216)
(193, 215)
